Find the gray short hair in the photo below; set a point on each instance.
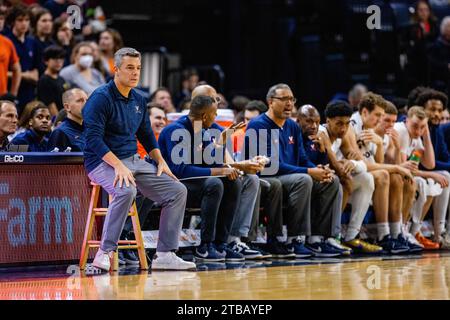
(125, 52)
(273, 90)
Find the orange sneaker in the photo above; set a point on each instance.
(427, 244)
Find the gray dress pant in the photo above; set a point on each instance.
(170, 194)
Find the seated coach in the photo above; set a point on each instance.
(227, 201)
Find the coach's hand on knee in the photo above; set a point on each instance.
(163, 167)
(123, 175)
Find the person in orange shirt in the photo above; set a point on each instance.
(158, 121)
(9, 61)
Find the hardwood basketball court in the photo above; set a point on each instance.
(425, 276)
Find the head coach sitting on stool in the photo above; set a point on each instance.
(114, 115)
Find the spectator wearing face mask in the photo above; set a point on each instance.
(81, 74)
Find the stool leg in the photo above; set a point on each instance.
(89, 227)
(138, 235)
(115, 262)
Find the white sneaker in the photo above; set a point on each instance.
(337, 244)
(245, 250)
(102, 260)
(444, 240)
(411, 239)
(170, 261)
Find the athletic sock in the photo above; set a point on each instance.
(382, 229)
(314, 239)
(233, 239)
(289, 239)
(351, 234)
(395, 229)
(415, 228)
(162, 254)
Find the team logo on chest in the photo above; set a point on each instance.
(137, 109)
(291, 139)
(368, 154)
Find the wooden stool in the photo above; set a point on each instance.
(95, 211)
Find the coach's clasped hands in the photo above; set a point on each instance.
(252, 166)
(321, 173)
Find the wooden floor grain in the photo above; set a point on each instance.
(424, 278)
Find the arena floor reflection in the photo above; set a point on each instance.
(390, 278)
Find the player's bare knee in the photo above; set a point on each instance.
(381, 178)
(396, 182)
(409, 187)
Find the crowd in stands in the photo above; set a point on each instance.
(366, 151)
(43, 55)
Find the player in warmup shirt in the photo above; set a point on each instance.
(316, 146)
(114, 115)
(416, 148)
(354, 170)
(36, 137)
(445, 131)
(310, 192)
(399, 200)
(69, 135)
(388, 178)
(434, 103)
